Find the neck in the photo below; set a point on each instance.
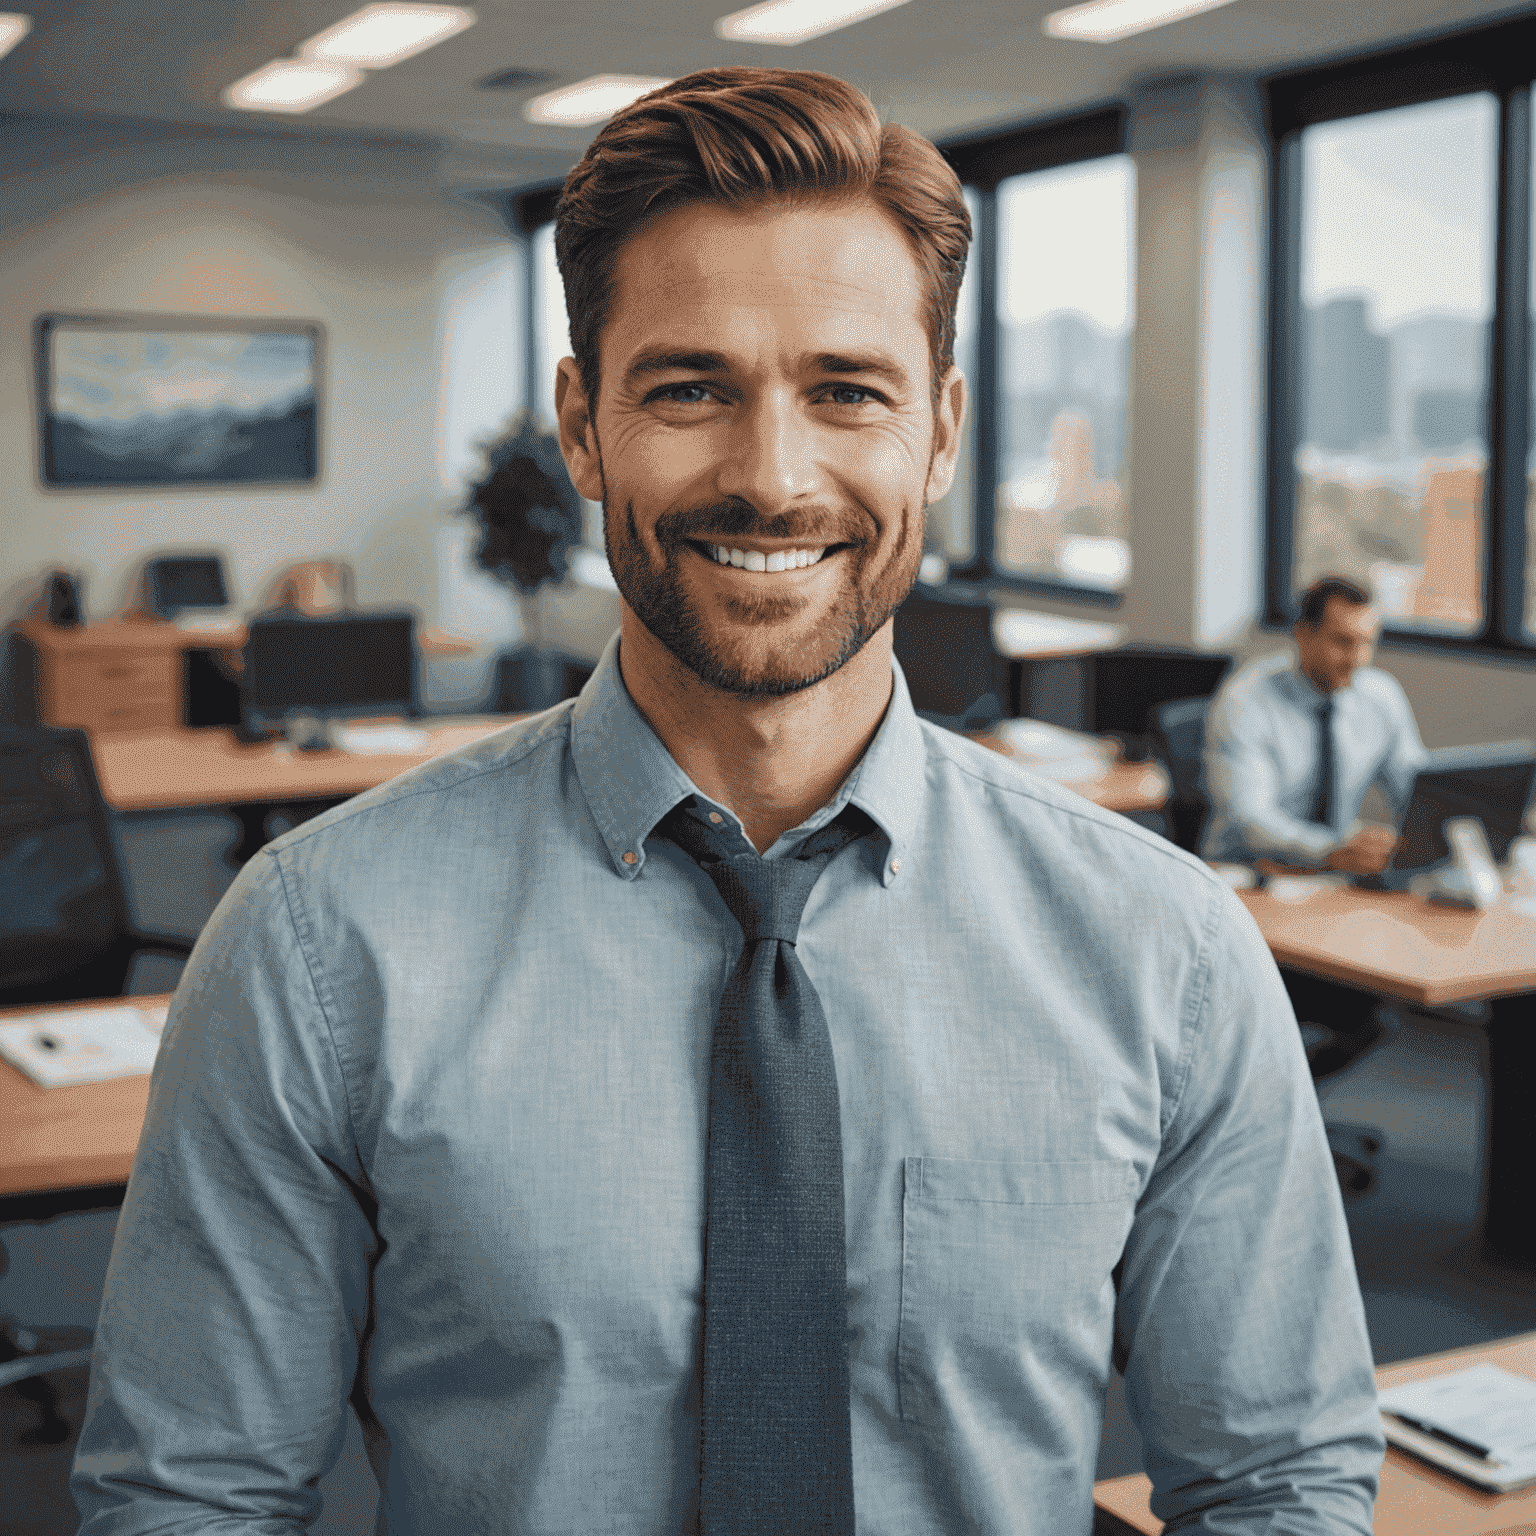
(773, 761)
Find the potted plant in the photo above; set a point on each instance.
(530, 518)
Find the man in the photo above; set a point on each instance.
(726, 1103)
(1292, 745)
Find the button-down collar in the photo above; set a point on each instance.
(631, 781)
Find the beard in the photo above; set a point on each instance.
(717, 650)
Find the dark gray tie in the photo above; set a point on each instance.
(775, 1453)
(1323, 795)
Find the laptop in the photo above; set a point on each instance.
(1492, 783)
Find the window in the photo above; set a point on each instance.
(1401, 385)
(1065, 308)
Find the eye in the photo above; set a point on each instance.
(849, 394)
(683, 394)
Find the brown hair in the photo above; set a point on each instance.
(1315, 600)
(739, 136)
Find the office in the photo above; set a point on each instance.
(1194, 534)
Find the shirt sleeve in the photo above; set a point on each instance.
(238, 1285)
(1239, 1324)
(1241, 783)
(1406, 754)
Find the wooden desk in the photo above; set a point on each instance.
(1415, 1499)
(156, 770)
(1431, 955)
(54, 1139)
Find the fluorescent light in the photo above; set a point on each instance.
(792, 21)
(384, 34)
(1107, 21)
(13, 27)
(589, 101)
(291, 85)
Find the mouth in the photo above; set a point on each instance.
(756, 559)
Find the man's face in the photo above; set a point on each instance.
(1340, 644)
(765, 392)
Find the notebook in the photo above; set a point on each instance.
(68, 1046)
(1448, 1419)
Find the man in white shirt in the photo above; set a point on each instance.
(1291, 747)
(1293, 744)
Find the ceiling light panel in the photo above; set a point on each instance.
(384, 34)
(1107, 21)
(13, 27)
(291, 85)
(793, 21)
(589, 101)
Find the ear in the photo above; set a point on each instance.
(578, 435)
(948, 419)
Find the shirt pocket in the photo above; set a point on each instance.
(1005, 1275)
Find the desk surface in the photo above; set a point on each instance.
(1415, 1499)
(1406, 948)
(1120, 787)
(156, 770)
(69, 1138)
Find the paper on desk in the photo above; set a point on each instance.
(89, 1045)
(1484, 1404)
(379, 740)
(1041, 742)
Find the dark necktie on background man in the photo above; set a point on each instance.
(1323, 795)
(775, 1454)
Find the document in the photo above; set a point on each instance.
(1478, 1423)
(62, 1048)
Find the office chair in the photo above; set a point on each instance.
(1129, 682)
(65, 929)
(1177, 740)
(953, 670)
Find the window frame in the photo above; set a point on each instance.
(1487, 59)
(982, 163)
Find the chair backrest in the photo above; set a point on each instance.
(1178, 730)
(944, 645)
(1128, 683)
(62, 902)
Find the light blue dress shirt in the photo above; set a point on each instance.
(427, 1131)
(1261, 746)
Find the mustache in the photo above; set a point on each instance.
(737, 518)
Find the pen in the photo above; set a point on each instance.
(1470, 1447)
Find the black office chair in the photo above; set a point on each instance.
(953, 670)
(1130, 682)
(1177, 740)
(65, 935)
(65, 930)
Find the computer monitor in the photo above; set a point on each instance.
(1492, 783)
(944, 645)
(185, 581)
(345, 666)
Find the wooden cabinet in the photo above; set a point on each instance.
(122, 676)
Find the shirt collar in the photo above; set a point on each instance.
(631, 781)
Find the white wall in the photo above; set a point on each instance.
(418, 294)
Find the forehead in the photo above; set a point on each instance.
(1352, 618)
(822, 270)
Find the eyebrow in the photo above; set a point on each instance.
(842, 364)
(676, 362)
(877, 363)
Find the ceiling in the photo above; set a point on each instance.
(944, 67)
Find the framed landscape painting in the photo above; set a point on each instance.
(177, 400)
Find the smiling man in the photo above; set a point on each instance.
(725, 1103)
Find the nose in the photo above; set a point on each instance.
(771, 458)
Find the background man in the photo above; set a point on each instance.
(726, 1103)
(1292, 744)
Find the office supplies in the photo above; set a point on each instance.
(1492, 783)
(61, 600)
(1479, 1423)
(1471, 879)
(341, 666)
(71, 1046)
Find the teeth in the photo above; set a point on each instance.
(756, 560)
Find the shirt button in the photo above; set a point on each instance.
(895, 866)
(716, 817)
(631, 858)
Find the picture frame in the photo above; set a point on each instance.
(130, 401)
